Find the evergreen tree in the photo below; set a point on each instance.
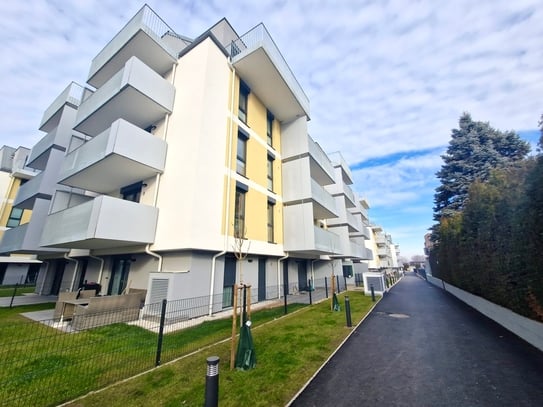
(474, 151)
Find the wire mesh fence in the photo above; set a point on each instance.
(46, 361)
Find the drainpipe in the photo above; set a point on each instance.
(75, 270)
(157, 179)
(279, 273)
(227, 210)
(102, 261)
(212, 282)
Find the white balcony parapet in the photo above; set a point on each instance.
(326, 201)
(326, 241)
(152, 48)
(120, 156)
(338, 161)
(136, 93)
(258, 39)
(320, 157)
(102, 222)
(72, 95)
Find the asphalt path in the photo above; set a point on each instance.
(423, 347)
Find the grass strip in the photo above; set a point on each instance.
(289, 350)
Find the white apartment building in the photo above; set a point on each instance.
(175, 150)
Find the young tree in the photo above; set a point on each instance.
(474, 151)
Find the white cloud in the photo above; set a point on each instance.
(383, 77)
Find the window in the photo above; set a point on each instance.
(271, 207)
(241, 154)
(132, 192)
(269, 128)
(239, 213)
(243, 101)
(15, 217)
(270, 172)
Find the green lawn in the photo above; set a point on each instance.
(7, 291)
(289, 350)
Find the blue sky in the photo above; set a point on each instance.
(387, 80)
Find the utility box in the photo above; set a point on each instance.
(376, 279)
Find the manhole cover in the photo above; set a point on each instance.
(393, 314)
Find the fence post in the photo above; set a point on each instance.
(372, 293)
(337, 281)
(326, 286)
(13, 295)
(161, 332)
(285, 294)
(345, 281)
(212, 382)
(348, 311)
(310, 289)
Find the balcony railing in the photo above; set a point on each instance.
(103, 222)
(154, 51)
(136, 93)
(321, 159)
(326, 204)
(72, 95)
(326, 241)
(259, 39)
(133, 153)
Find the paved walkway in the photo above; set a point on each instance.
(422, 347)
(27, 300)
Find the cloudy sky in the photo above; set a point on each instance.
(387, 80)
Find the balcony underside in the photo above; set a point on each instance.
(145, 47)
(109, 174)
(120, 156)
(260, 73)
(129, 104)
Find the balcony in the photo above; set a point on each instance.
(321, 168)
(324, 204)
(104, 222)
(136, 93)
(39, 155)
(347, 219)
(71, 96)
(25, 238)
(316, 241)
(339, 162)
(260, 64)
(121, 155)
(143, 36)
(382, 251)
(32, 190)
(342, 189)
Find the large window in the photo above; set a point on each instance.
(243, 101)
(241, 163)
(239, 213)
(270, 173)
(271, 207)
(15, 217)
(269, 128)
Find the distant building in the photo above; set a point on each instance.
(13, 174)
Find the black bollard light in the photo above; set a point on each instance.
(372, 293)
(348, 311)
(212, 382)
